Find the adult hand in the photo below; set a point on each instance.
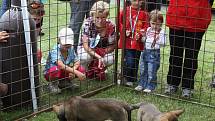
(143, 32)
(81, 76)
(101, 63)
(137, 36)
(128, 33)
(3, 36)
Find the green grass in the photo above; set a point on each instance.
(193, 112)
(57, 16)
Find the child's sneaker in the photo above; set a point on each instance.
(53, 88)
(170, 89)
(147, 90)
(129, 84)
(139, 88)
(187, 93)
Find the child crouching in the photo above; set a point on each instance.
(150, 57)
(62, 63)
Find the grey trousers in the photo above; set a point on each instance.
(79, 10)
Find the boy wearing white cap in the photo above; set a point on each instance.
(62, 62)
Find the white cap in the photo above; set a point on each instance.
(66, 36)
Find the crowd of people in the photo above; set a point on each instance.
(87, 54)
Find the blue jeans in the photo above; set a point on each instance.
(4, 7)
(131, 62)
(149, 65)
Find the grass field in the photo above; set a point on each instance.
(57, 16)
(193, 112)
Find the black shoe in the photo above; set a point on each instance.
(41, 33)
(212, 84)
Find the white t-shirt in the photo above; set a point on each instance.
(150, 36)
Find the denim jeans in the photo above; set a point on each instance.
(131, 61)
(4, 7)
(149, 65)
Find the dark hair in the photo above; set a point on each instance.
(36, 8)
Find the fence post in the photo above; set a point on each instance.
(28, 45)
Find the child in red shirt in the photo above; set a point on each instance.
(136, 23)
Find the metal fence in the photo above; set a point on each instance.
(29, 92)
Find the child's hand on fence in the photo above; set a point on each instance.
(137, 36)
(81, 76)
(143, 35)
(143, 32)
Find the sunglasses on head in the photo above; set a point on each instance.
(36, 5)
(36, 8)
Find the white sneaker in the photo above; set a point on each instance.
(139, 88)
(130, 84)
(106, 71)
(147, 90)
(118, 81)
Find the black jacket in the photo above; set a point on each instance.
(211, 2)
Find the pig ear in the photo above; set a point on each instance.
(172, 115)
(177, 112)
(57, 108)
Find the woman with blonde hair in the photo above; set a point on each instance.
(97, 41)
(79, 10)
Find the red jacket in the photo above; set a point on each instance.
(142, 23)
(189, 15)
